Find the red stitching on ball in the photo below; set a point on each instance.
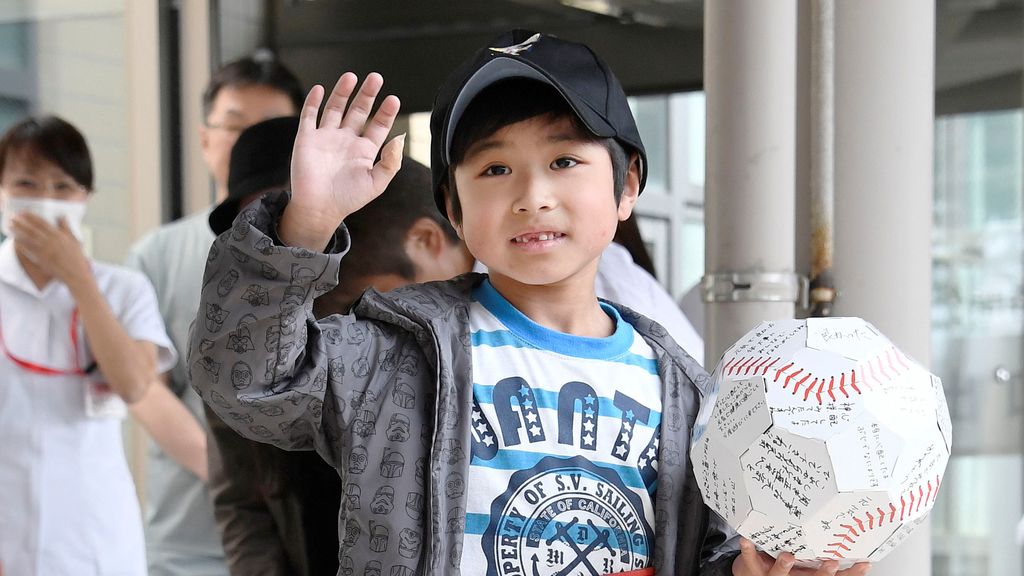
(747, 364)
(844, 537)
(834, 553)
(810, 389)
(873, 369)
(778, 373)
(728, 366)
(800, 382)
(791, 376)
(880, 513)
(871, 373)
(757, 366)
(737, 367)
(881, 369)
(900, 358)
(853, 381)
(888, 357)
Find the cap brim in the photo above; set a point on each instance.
(502, 68)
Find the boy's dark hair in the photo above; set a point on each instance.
(260, 69)
(510, 101)
(378, 229)
(53, 139)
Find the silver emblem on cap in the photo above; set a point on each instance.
(517, 49)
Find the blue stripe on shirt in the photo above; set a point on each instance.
(547, 339)
(508, 459)
(476, 524)
(499, 338)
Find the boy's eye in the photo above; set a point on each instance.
(25, 184)
(564, 163)
(496, 170)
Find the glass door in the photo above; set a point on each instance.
(976, 340)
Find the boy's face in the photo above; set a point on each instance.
(538, 205)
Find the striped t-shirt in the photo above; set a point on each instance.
(565, 441)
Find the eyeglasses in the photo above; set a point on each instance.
(23, 186)
(233, 128)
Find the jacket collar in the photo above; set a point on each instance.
(11, 271)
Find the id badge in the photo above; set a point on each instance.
(102, 402)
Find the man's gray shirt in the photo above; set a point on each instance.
(179, 515)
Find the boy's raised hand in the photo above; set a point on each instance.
(750, 562)
(333, 170)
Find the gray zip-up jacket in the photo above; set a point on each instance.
(384, 394)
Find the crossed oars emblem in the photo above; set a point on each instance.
(562, 533)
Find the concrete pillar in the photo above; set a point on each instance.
(884, 75)
(750, 83)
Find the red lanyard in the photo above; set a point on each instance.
(46, 370)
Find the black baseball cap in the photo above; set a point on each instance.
(260, 160)
(573, 69)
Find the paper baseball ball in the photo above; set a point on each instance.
(821, 439)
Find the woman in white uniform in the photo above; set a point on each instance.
(78, 339)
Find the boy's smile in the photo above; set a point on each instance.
(538, 207)
(537, 240)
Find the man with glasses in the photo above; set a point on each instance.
(182, 538)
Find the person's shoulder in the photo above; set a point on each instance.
(194, 227)
(617, 266)
(116, 277)
(616, 254)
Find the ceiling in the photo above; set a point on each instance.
(653, 45)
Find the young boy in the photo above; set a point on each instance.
(510, 424)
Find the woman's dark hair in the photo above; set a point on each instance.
(628, 236)
(260, 69)
(510, 101)
(53, 139)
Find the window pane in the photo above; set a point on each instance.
(651, 113)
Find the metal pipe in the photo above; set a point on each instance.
(822, 154)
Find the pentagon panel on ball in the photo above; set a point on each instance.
(822, 439)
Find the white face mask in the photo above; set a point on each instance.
(47, 209)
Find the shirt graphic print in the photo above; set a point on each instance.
(564, 447)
